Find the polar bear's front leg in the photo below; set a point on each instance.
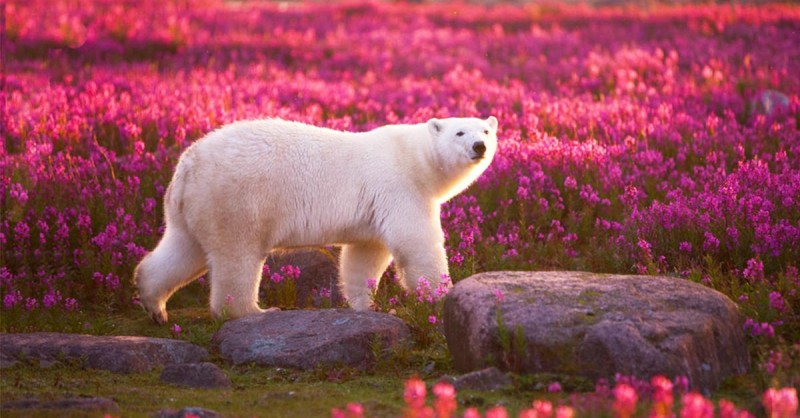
(418, 251)
(427, 260)
(360, 262)
(234, 284)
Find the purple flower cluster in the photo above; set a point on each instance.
(659, 141)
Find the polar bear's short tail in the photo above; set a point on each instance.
(176, 261)
(173, 197)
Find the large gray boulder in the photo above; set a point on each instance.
(595, 325)
(116, 354)
(304, 339)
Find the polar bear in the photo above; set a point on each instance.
(254, 186)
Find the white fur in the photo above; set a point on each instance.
(254, 186)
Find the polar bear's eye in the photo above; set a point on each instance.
(460, 133)
(486, 132)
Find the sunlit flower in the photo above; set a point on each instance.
(662, 397)
(497, 412)
(565, 411)
(414, 393)
(780, 403)
(694, 405)
(445, 403)
(625, 399)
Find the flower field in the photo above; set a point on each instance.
(663, 140)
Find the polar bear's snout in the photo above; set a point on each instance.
(480, 149)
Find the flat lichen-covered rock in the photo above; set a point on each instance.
(118, 354)
(595, 325)
(306, 339)
(66, 406)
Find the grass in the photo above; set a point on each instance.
(255, 391)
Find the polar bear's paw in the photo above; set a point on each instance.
(230, 311)
(360, 303)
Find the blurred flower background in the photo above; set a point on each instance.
(652, 140)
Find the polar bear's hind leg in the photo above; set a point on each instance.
(235, 280)
(176, 261)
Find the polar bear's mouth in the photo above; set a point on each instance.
(477, 158)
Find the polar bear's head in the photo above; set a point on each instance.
(463, 149)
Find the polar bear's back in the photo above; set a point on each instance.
(311, 178)
(271, 147)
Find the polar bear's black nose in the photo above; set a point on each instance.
(479, 148)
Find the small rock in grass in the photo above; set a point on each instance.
(187, 412)
(485, 380)
(196, 375)
(769, 102)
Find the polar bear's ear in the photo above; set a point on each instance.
(435, 127)
(492, 121)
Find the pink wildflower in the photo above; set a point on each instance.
(754, 272)
(414, 393)
(662, 397)
(554, 387)
(681, 384)
(354, 410)
(625, 400)
(497, 412)
(543, 409)
(445, 404)
(291, 272)
(780, 403)
(728, 410)
(564, 411)
(696, 406)
(776, 301)
(472, 413)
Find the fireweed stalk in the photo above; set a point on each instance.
(421, 308)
